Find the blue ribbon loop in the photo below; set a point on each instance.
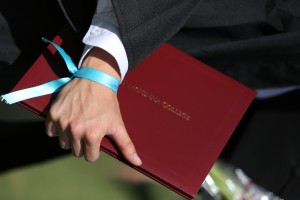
(56, 85)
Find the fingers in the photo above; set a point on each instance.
(51, 130)
(92, 146)
(77, 147)
(57, 129)
(126, 146)
(72, 135)
(86, 142)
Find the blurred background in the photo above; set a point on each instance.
(33, 167)
(264, 149)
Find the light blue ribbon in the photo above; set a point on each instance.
(101, 78)
(56, 85)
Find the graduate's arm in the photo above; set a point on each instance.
(84, 111)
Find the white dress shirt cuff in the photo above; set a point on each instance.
(104, 33)
(108, 41)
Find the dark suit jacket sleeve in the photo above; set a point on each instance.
(146, 24)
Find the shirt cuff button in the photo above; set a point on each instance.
(95, 31)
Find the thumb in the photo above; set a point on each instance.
(126, 146)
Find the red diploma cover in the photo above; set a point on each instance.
(178, 111)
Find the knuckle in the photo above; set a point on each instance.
(62, 119)
(127, 146)
(52, 113)
(75, 128)
(119, 129)
(91, 138)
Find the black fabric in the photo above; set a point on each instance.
(78, 13)
(266, 145)
(256, 42)
(22, 25)
(145, 25)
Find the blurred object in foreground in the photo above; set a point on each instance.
(225, 182)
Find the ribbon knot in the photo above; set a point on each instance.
(56, 85)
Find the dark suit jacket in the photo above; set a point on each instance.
(256, 42)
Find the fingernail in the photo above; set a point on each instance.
(137, 159)
(53, 131)
(64, 145)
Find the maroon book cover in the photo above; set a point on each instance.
(179, 112)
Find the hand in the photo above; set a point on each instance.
(85, 112)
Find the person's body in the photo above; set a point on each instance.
(243, 39)
(85, 112)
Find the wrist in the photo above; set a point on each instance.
(98, 77)
(101, 60)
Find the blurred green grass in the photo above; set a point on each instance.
(71, 178)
